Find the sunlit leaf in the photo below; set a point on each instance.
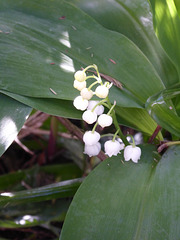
(127, 200)
(164, 114)
(47, 41)
(167, 27)
(12, 117)
(134, 20)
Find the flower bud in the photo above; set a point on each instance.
(89, 116)
(79, 85)
(98, 110)
(102, 91)
(133, 153)
(80, 76)
(105, 120)
(80, 103)
(112, 148)
(92, 150)
(86, 94)
(91, 138)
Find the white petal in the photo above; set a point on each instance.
(98, 110)
(136, 154)
(102, 91)
(133, 153)
(79, 85)
(92, 150)
(105, 120)
(80, 103)
(89, 116)
(86, 94)
(90, 138)
(128, 152)
(112, 148)
(80, 76)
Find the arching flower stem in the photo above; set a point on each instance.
(123, 138)
(115, 135)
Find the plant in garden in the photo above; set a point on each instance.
(136, 46)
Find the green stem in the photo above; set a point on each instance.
(94, 128)
(116, 124)
(94, 83)
(114, 137)
(90, 66)
(99, 103)
(111, 108)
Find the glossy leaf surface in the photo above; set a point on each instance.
(167, 27)
(162, 112)
(12, 117)
(127, 200)
(39, 35)
(134, 20)
(51, 191)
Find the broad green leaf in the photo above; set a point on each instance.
(163, 113)
(12, 117)
(57, 32)
(61, 172)
(167, 27)
(127, 200)
(51, 191)
(58, 107)
(134, 20)
(33, 214)
(177, 3)
(138, 119)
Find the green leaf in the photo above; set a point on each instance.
(167, 27)
(12, 117)
(127, 200)
(51, 191)
(39, 35)
(134, 20)
(58, 107)
(138, 119)
(33, 214)
(163, 113)
(59, 171)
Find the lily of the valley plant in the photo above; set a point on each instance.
(94, 114)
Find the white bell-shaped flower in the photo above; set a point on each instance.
(79, 85)
(86, 94)
(112, 148)
(98, 110)
(105, 120)
(132, 152)
(89, 116)
(102, 91)
(80, 103)
(92, 150)
(80, 76)
(91, 138)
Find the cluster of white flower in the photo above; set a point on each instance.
(94, 113)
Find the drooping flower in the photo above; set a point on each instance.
(132, 152)
(105, 120)
(102, 91)
(92, 150)
(89, 116)
(79, 85)
(98, 110)
(86, 94)
(80, 103)
(91, 138)
(80, 76)
(112, 148)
